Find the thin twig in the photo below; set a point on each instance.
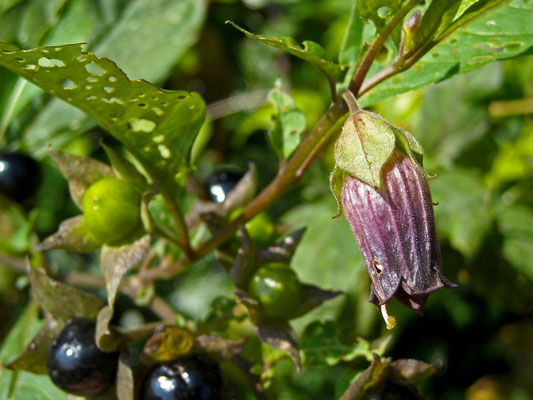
(235, 104)
(377, 45)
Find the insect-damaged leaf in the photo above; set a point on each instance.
(310, 52)
(71, 235)
(115, 263)
(158, 127)
(53, 296)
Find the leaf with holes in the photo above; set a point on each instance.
(489, 31)
(310, 52)
(379, 11)
(158, 127)
(115, 263)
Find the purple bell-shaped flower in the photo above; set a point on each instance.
(386, 199)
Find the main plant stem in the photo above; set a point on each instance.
(290, 172)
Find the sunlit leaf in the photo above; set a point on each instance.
(501, 32)
(156, 126)
(320, 345)
(310, 52)
(167, 344)
(353, 38)
(289, 123)
(130, 37)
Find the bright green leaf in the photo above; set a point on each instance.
(379, 11)
(131, 43)
(156, 126)
(353, 38)
(39, 17)
(501, 32)
(310, 52)
(289, 123)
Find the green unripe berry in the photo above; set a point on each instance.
(277, 290)
(111, 209)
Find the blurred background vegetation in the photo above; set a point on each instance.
(477, 145)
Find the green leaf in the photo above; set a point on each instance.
(289, 123)
(310, 52)
(320, 345)
(364, 146)
(72, 235)
(317, 259)
(379, 11)
(33, 357)
(39, 17)
(15, 229)
(500, 33)
(124, 169)
(353, 38)
(115, 262)
(125, 382)
(438, 16)
(156, 126)
(130, 43)
(463, 212)
(516, 224)
(52, 296)
(15, 385)
(7, 4)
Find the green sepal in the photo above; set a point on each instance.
(409, 145)
(364, 146)
(336, 184)
(124, 169)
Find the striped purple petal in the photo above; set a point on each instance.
(395, 229)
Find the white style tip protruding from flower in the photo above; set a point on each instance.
(389, 319)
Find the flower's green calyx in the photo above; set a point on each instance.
(366, 143)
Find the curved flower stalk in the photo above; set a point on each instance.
(386, 199)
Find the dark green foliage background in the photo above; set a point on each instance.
(483, 167)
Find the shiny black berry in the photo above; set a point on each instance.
(76, 365)
(221, 182)
(20, 175)
(194, 377)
